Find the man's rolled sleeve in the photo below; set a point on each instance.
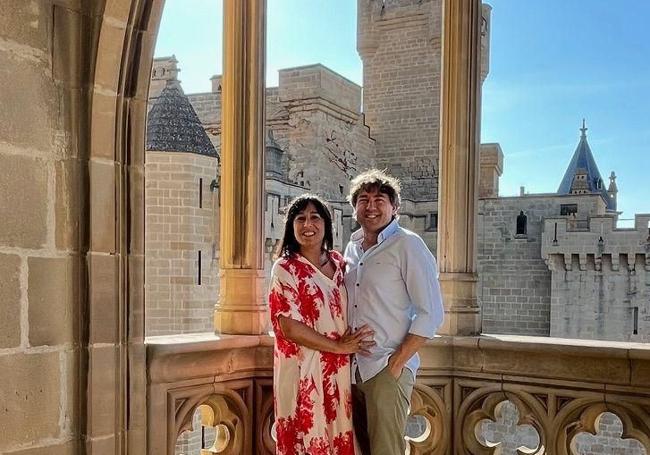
(423, 287)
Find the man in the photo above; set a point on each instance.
(392, 283)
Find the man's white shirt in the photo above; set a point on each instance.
(393, 287)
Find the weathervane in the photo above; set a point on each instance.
(584, 129)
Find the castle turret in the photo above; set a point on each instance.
(163, 73)
(491, 168)
(181, 214)
(216, 83)
(486, 17)
(582, 175)
(399, 42)
(612, 191)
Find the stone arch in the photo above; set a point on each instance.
(117, 104)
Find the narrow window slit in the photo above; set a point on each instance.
(198, 280)
(200, 193)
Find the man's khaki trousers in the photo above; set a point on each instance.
(381, 406)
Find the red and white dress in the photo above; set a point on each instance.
(311, 389)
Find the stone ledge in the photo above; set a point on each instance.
(601, 363)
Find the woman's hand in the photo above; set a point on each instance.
(350, 343)
(358, 342)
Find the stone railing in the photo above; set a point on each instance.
(557, 388)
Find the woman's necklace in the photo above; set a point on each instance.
(323, 262)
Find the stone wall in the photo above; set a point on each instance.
(399, 44)
(600, 279)
(43, 237)
(514, 280)
(608, 439)
(181, 224)
(318, 124)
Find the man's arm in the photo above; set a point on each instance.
(420, 274)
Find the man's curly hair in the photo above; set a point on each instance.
(374, 179)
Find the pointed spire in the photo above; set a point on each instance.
(582, 175)
(612, 183)
(173, 126)
(612, 192)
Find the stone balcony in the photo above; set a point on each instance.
(559, 387)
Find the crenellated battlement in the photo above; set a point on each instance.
(596, 244)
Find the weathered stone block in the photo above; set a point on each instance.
(9, 300)
(137, 297)
(28, 116)
(30, 397)
(67, 448)
(101, 446)
(111, 46)
(52, 300)
(102, 143)
(23, 198)
(68, 205)
(67, 62)
(103, 398)
(102, 207)
(103, 298)
(71, 417)
(27, 22)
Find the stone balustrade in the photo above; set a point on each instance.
(559, 387)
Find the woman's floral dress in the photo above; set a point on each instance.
(311, 389)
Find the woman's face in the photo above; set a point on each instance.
(309, 227)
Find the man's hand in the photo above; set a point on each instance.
(395, 367)
(403, 353)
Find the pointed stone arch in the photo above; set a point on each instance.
(124, 34)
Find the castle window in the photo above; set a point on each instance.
(200, 193)
(198, 271)
(433, 222)
(635, 329)
(522, 224)
(568, 209)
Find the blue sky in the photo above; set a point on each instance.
(552, 63)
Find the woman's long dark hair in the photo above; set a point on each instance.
(289, 245)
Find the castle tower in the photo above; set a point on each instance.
(164, 72)
(582, 175)
(181, 268)
(399, 42)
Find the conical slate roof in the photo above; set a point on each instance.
(583, 163)
(173, 126)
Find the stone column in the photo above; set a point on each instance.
(459, 161)
(241, 308)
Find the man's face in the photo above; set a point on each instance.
(374, 211)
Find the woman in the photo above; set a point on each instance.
(307, 300)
